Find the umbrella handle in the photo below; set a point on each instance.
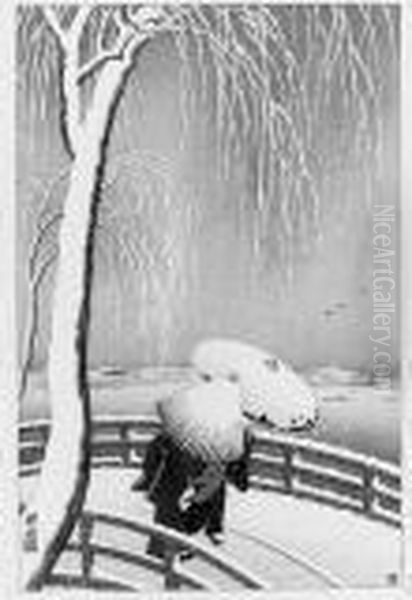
(262, 420)
(158, 475)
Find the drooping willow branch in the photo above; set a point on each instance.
(276, 73)
(145, 256)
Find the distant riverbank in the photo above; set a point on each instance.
(353, 416)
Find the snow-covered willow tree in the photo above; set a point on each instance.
(272, 73)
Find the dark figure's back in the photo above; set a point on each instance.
(165, 478)
(165, 470)
(167, 473)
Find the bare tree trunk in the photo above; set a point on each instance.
(65, 472)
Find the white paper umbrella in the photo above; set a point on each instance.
(270, 389)
(206, 419)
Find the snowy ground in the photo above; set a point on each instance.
(292, 544)
(264, 529)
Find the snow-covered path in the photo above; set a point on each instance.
(290, 543)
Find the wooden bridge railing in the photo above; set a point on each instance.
(328, 474)
(170, 569)
(282, 463)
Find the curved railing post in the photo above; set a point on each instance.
(368, 477)
(174, 542)
(124, 436)
(172, 581)
(322, 472)
(86, 550)
(44, 435)
(288, 452)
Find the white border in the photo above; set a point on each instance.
(8, 365)
(8, 370)
(406, 287)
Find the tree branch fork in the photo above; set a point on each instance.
(134, 28)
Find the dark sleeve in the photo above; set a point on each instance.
(237, 471)
(195, 516)
(154, 454)
(248, 443)
(151, 462)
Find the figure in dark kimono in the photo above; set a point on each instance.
(164, 478)
(169, 472)
(207, 510)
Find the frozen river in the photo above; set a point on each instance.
(354, 416)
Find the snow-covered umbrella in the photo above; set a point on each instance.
(270, 389)
(206, 420)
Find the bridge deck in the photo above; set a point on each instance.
(291, 543)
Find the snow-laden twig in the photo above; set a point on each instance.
(43, 230)
(53, 22)
(104, 56)
(33, 322)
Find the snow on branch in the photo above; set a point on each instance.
(43, 230)
(33, 321)
(279, 74)
(144, 19)
(78, 25)
(68, 40)
(53, 22)
(134, 26)
(275, 75)
(260, 97)
(116, 53)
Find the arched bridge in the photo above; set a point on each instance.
(107, 550)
